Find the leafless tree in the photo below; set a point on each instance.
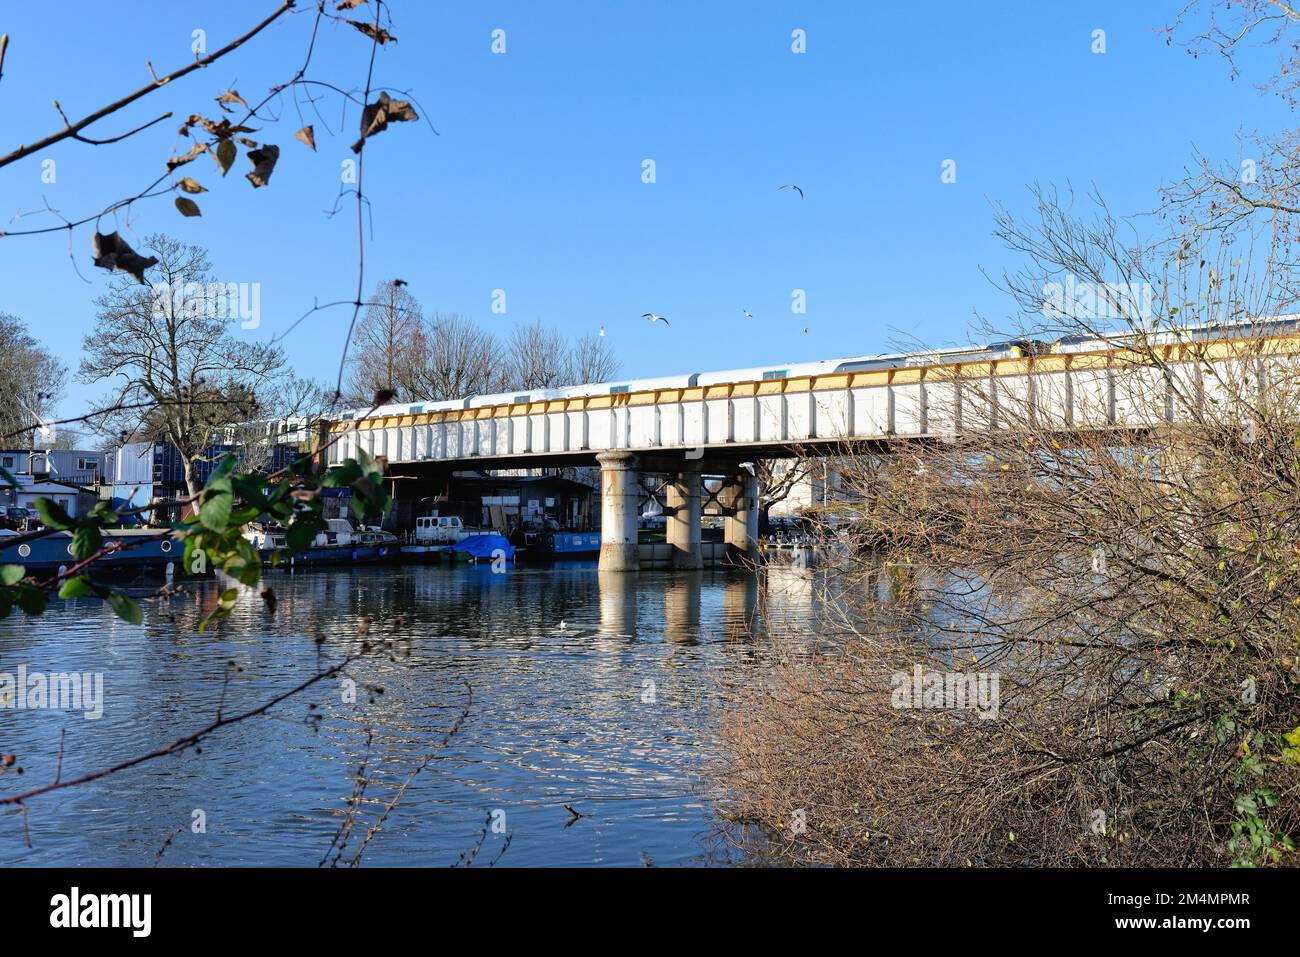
(1127, 572)
(591, 359)
(31, 379)
(382, 341)
(291, 406)
(777, 478)
(170, 350)
(535, 358)
(444, 356)
(452, 357)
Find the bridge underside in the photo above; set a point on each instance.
(714, 459)
(682, 495)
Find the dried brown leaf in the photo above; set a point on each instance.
(113, 252)
(306, 135)
(263, 161)
(377, 115)
(187, 206)
(372, 31)
(178, 161)
(231, 96)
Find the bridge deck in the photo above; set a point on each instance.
(1090, 385)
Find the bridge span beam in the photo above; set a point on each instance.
(620, 500)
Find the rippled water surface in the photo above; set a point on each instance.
(597, 691)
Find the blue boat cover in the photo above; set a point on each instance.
(483, 546)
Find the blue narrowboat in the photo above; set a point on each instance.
(138, 548)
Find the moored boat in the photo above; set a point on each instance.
(339, 544)
(435, 537)
(137, 548)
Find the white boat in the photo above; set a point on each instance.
(340, 543)
(436, 533)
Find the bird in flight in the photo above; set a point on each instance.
(602, 330)
(797, 189)
(748, 314)
(748, 467)
(655, 318)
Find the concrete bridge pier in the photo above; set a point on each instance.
(684, 496)
(620, 499)
(740, 527)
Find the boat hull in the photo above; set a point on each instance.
(141, 549)
(369, 554)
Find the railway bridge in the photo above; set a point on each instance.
(720, 423)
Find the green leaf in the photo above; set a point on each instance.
(303, 532)
(31, 599)
(125, 607)
(223, 468)
(368, 465)
(244, 515)
(12, 574)
(214, 513)
(8, 478)
(76, 587)
(342, 476)
(53, 515)
(226, 153)
(104, 512)
(86, 540)
(187, 206)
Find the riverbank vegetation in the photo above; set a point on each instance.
(1116, 593)
(1137, 605)
(1128, 593)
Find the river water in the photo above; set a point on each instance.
(601, 692)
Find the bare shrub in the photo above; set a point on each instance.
(1109, 534)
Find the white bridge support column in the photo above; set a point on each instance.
(620, 498)
(684, 495)
(741, 527)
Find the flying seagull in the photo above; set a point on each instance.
(655, 318)
(797, 189)
(748, 314)
(748, 467)
(602, 330)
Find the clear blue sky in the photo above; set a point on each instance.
(534, 183)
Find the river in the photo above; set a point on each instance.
(601, 692)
